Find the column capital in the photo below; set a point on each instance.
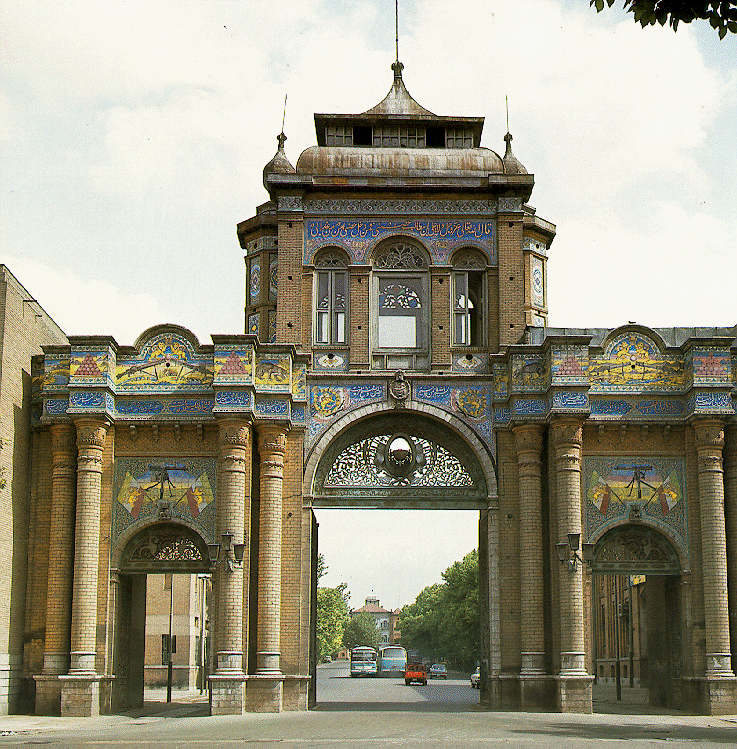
(272, 438)
(91, 432)
(566, 430)
(709, 434)
(234, 432)
(528, 437)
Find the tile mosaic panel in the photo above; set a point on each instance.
(233, 365)
(91, 366)
(529, 373)
(651, 488)
(331, 361)
(254, 282)
(633, 362)
(568, 365)
(373, 206)
(55, 372)
(188, 490)
(253, 324)
(711, 366)
(167, 363)
(470, 363)
(272, 372)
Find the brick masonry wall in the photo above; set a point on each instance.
(24, 328)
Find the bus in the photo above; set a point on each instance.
(392, 660)
(363, 661)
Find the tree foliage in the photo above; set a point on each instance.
(443, 622)
(721, 15)
(361, 630)
(332, 618)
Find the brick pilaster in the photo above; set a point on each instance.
(271, 447)
(730, 518)
(709, 443)
(529, 443)
(90, 442)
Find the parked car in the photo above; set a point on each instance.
(415, 672)
(476, 678)
(438, 671)
(327, 659)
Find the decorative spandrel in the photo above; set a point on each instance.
(396, 460)
(635, 550)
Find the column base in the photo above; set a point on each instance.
(295, 692)
(80, 695)
(228, 694)
(575, 693)
(48, 694)
(711, 696)
(265, 694)
(536, 692)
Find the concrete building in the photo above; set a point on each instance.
(396, 354)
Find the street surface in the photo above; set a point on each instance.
(373, 713)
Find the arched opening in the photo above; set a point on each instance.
(636, 621)
(381, 483)
(161, 592)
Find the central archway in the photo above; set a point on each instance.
(410, 458)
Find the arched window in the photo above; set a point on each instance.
(401, 307)
(469, 298)
(331, 295)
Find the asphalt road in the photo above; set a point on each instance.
(336, 690)
(357, 713)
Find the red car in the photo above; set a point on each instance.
(415, 672)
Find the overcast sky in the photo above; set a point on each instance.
(134, 135)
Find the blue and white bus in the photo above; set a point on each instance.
(363, 661)
(392, 660)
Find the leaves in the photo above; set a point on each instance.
(443, 622)
(722, 16)
(332, 618)
(361, 630)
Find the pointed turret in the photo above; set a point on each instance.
(280, 163)
(511, 164)
(398, 100)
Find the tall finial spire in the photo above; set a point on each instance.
(506, 103)
(511, 163)
(396, 27)
(284, 115)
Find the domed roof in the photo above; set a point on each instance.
(406, 162)
(280, 163)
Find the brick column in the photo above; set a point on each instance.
(709, 443)
(228, 680)
(574, 682)
(529, 443)
(61, 570)
(80, 688)
(266, 695)
(730, 518)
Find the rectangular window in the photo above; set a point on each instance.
(456, 137)
(400, 323)
(399, 137)
(331, 312)
(338, 135)
(468, 306)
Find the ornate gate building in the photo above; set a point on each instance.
(396, 355)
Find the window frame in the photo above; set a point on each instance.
(330, 267)
(469, 266)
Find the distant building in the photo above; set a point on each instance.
(385, 620)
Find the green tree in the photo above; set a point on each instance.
(332, 618)
(361, 630)
(443, 622)
(722, 16)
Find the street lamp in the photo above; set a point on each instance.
(227, 551)
(568, 552)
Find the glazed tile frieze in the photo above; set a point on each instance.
(358, 236)
(371, 206)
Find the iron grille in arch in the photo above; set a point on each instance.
(396, 460)
(166, 547)
(635, 550)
